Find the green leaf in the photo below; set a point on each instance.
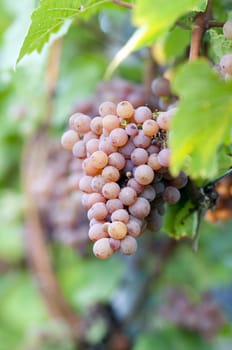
(219, 45)
(153, 18)
(203, 120)
(48, 18)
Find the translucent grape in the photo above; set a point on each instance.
(111, 190)
(117, 230)
(142, 140)
(114, 243)
(81, 123)
(92, 146)
(118, 137)
(164, 157)
(141, 208)
(139, 156)
(99, 159)
(125, 110)
(69, 138)
(107, 108)
(97, 183)
(110, 174)
(110, 122)
(79, 149)
(128, 245)
(106, 145)
(153, 162)
(144, 174)
(127, 149)
(127, 195)
(85, 184)
(96, 232)
(135, 185)
(132, 129)
(89, 169)
(117, 160)
(96, 125)
(133, 228)
(150, 127)
(141, 114)
(99, 211)
(120, 215)
(148, 193)
(114, 204)
(102, 248)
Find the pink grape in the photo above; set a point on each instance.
(117, 230)
(102, 248)
(69, 138)
(142, 140)
(110, 174)
(111, 190)
(107, 108)
(150, 127)
(120, 215)
(96, 125)
(81, 123)
(144, 174)
(139, 156)
(132, 129)
(141, 114)
(171, 195)
(128, 245)
(110, 122)
(96, 232)
(79, 149)
(125, 110)
(118, 137)
(116, 160)
(127, 195)
(164, 157)
(85, 184)
(141, 208)
(97, 183)
(99, 211)
(99, 159)
(114, 204)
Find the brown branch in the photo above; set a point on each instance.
(36, 245)
(201, 22)
(212, 24)
(123, 4)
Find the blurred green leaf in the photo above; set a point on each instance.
(219, 45)
(203, 120)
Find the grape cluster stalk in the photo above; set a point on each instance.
(123, 159)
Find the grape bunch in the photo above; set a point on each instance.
(123, 161)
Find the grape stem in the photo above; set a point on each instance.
(123, 4)
(201, 24)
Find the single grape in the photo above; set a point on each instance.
(150, 127)
(85, 184)
(141, 208)
(127, 195)
(128, 245)
(114, 243)
(111, 190)
(141, 114)
(127, 149)
(171, 195)
(97, 183)
(92, 146)
(110, 122)
(118, 137)
(81, 122)
(144, 174)
(114, 204)
(139, 156)
(180, 181)
(133, 228)
(148, 193)
(89, 169)
(89, 136)
(227, 29)
(96, 125)
(125, 110)
(102, 248)
(132, 129)
(153, 162)
(99, 211)
(96, 232)
(117, 160)
(226, 64)
(79, 149)
(107, 108)
(164, 157)
(120, 215)
(135, 185)
(110, 174)
(69, 138)
(161, 87)
(142, 140)
(99, 159)
(117, 230)
(106, 145)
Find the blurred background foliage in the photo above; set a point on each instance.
(85, 281)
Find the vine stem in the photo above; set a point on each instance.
(201, 24)
(123, 4)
